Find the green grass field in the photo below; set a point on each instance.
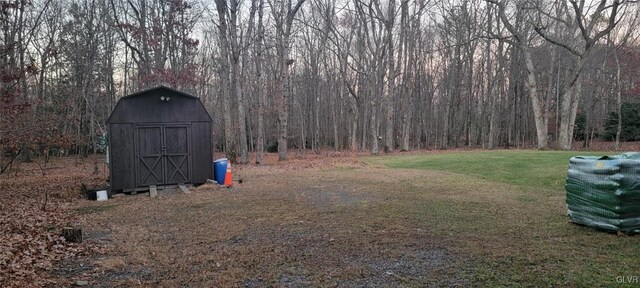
(436, 219)
(544, 169)
(505, 212)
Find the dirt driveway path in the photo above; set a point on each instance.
(337, 224)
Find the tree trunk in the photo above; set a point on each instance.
(616, 145)
(229, 134)
(334, 107)
(539, 109)
(569, 105)
(538, 105)
(260, 84)
(391, 86)
(281, 96)
(236, 80)
(316, 101)
(354, 126)
(72, 234)
(374, 129)
(283, 17)
(406, 50)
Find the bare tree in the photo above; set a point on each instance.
(538, 105)
(584, 20)
(227, 87)
(488, 73)
(284, 13)
(623, 39)
(258, 59)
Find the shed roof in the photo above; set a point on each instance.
(160, 88)
(146, 107)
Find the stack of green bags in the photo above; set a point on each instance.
(604, 192)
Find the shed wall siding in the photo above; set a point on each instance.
(122, 156)
(201, 152)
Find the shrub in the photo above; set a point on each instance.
(630, 123)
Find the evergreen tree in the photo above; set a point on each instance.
(630, 123)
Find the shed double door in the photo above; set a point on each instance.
(163, 154)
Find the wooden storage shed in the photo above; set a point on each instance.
(159, 136)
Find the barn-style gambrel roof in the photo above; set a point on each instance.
(147, 107)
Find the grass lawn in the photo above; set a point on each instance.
(543, 169)
(465, 219)
(509, 213)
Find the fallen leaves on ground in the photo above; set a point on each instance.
(31, 239)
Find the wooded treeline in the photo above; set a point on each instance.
(365, 75)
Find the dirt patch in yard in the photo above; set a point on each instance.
(322, 219)
(297, 224)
